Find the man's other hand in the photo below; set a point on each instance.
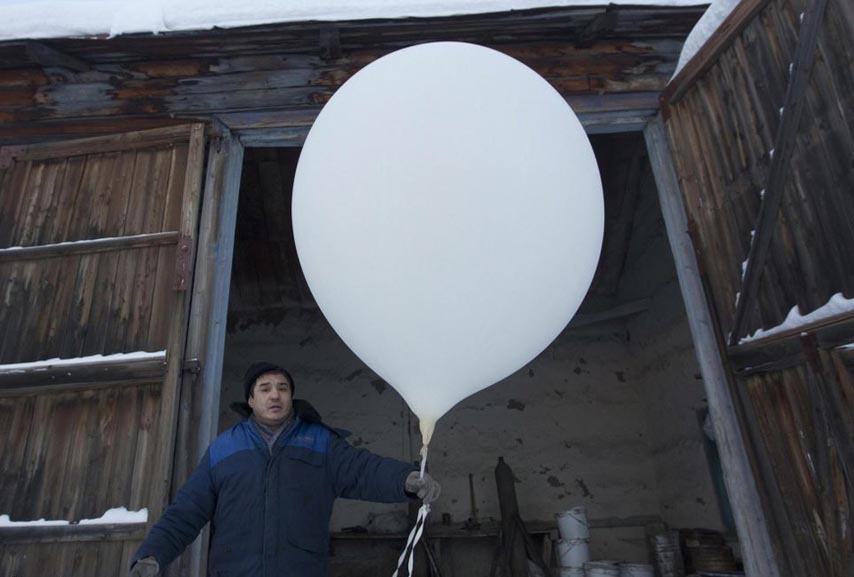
(426, 488)
(148, 567)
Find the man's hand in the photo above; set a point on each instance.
(427, 488)
(148, 567)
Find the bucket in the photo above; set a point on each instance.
(573, 553)
(571, 572)
(636, 570)
(601, 569)
(573, 524)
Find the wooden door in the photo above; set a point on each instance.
(97, 243)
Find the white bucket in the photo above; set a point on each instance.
(601, 569)
(571, 572)
(636, 570)
(573, 553)
(573, 524)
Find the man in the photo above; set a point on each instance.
(267, 486)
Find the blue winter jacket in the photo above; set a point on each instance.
(270, 510)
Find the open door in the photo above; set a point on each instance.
(97, 244)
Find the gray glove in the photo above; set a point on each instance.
(427, 488)
(148, 567)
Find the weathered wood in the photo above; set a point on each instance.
(161, 479)
(126, 141)
(784, 349)
(88, 246)
(784, 145)
(743, 490)
(742, 15)
(45, 56)
(198, 421)
(72, 533)
(62, 376)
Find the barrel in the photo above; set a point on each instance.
(572, 524)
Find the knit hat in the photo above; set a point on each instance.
(257, 369)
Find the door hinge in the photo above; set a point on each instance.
(182, 262)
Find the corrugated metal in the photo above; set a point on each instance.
(722, 133)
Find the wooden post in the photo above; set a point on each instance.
(759, 556)
(208, 316)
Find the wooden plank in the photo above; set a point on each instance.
(161, 479)
(209, 315)
(100, 144)
(73, 533)
(162, 290)
(742, 15)
(152, 268)
(63, 376)
(783, 145)
(94, 246)
(742, 487)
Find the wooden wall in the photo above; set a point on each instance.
(723, 134)
(761, 129)
(93, 234)
(604, 59)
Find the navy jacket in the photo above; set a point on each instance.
(269, 511)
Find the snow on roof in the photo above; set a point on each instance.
(707, 24)
(69, 18)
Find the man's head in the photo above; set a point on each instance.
(269, 391)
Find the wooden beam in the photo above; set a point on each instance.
(744, 491)
(61, 376)
(72, 533)
(784, 349)
(88, 246)
(208, 317)
(707, 55)
(166, 136)
(48, 57)
(602, 24)
(784, 145)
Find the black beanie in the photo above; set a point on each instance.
(257, 369)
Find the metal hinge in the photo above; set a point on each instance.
(182, 262)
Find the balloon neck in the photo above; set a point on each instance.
(426, 424)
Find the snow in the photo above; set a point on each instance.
(113, 516)
(837, 305)
(710, 21)
(90, 360)
(118, 515)
(5, 521)
(72, 242)
(64, 18)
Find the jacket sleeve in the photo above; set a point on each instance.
(360, 474)
(183, 520)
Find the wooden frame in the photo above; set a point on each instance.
(759, 553)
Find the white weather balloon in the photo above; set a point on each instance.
(448, 217)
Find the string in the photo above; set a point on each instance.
(417, 530)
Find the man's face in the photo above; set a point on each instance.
(271, 399)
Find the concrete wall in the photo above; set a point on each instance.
(665, 369)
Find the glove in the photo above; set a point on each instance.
(148, 567)
(426, 488)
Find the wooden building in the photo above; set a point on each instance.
(120, 172)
